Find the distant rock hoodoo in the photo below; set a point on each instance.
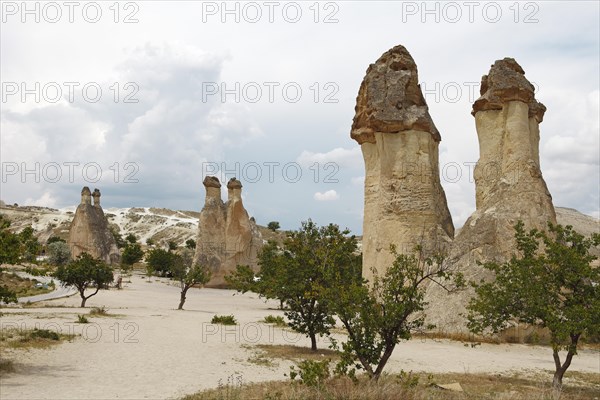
(405, 204)
(227, 236)
(89, 231)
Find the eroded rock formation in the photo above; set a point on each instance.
(508, 180)
(405, 204)
(89, 230)
(227, 237)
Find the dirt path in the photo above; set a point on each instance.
(149, 350)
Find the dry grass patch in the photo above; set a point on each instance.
(395, 387)
(295, 353)
(31, 338)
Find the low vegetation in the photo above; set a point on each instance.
(224, 320)
(23, 287)
(33, 338)
(406, 386)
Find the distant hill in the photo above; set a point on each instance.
(163, 225)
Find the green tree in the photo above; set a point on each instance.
(53, 239)
(58, 253)
(187, 273)
(550, 283)
(273, 225)
(297, 274)
(7, 296)
(378, 315)
(132, 253)
(172, 245)
(160, 261)
(30, 246)
(190, 244)
(83, 273)
(10, 245)
(131, 238)
(118, 238)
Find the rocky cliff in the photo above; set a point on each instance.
(89, 230)
(227, 236)
(405, 204)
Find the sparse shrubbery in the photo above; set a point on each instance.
(311, 373)
(277, 320)
(82, 319)
(224, 320)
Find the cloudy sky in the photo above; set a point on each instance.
(143, 99)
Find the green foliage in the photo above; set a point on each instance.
(118, 238)
(311, 373)
(58, 253)
(224, 320)
(83, 273)
(149, 242)
(277, 320)
(132, 253)
(172, 245)
(242, 279)
(190, 244)
(43, 334)
(55, 239)
(161, 261)
(273, 225)
(82, 319)
(7, 296)
(187, 273)
(550, 283)
(379, 315)
(10, 245)
(30, 247)
(310, 260)
(131, 238)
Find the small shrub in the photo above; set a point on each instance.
(82, 319)
(101, 311)
(277, 320)
(311, 373)
(224, 320)
(44, 334)
(6, 366)
(407, 379)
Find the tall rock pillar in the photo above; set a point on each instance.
(405, 204)
(89, 231)
(227, 237)
(508, 180)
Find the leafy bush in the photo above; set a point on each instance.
(273, 225)
(311, 373)
(44, 334)
(224, 320)
(277, 320)
(82, 319)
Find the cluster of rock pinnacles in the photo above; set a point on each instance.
(404, 202)
(406, 205)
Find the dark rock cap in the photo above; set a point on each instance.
(390, 99)
(234, 184)
(211, 181)
(506, 82)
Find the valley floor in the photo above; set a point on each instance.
(145, 349)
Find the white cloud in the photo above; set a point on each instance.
(342, 157)
(329, 195)
(358, 181)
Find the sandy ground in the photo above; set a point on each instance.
(149, 350)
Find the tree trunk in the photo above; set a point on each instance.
(182, 298)
(313, 341)
(561, 369)
(83, 300)
(384, 359)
